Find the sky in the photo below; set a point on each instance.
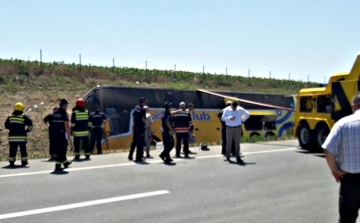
(282, 38)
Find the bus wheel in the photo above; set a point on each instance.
(304, 136)
(269, 135)
(321, 132)
(254, 135)
(154, 140)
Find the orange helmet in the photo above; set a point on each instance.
(80, 102)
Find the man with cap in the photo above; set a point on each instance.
(17, 123)
(48, 122)
(97, 119)
(223, 132)
(167, 133)
(139, 117)
(62, 134)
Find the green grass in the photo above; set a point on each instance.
(30, 83)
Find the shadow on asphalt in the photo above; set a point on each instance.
(142, 163)
(314, 153)
(169, 164)
(241, 164)
(62, 172)
(14, 167)
(272, 144)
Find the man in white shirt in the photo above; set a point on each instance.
(234, 116)
(342, 152)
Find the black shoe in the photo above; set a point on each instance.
(239, 160)
(58, 167)
(87, 157)
(191, 152)
(12, 163)
(77, 157)
(187, 157)
(178, 156)
(24, 163)
(66, 165)
(149, 157)
(162, 157)
(139, 161)
(99, 152)
(130, 158)
(167, 162)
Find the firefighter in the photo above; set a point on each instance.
(182, 121)
(48, 122)
(97, 119)
(139, 117)
(61, 134)
(80, 129)
(16, 123)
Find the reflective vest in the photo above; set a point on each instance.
(16, 123)
(182, 121)
(80, 123)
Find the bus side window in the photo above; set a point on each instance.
(306, 104)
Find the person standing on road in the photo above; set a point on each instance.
(233, 117)
(139, 117)
(16, 123)
(80, 129)
(97, 119)
(167, 134)
(182, 121)
(342, 152)
(62, 134)
(148, 131)
(223, 132)
(48, 122)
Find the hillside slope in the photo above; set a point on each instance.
(40, 86)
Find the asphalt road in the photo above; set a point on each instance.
(278, 183)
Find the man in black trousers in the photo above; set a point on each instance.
(139, 117)
(97, 119)
(167, 134)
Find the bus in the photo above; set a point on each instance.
(118, 102)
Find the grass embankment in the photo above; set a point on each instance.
(33, 83)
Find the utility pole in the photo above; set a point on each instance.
(113, 64)
(289, 75)
(226, 71)
(80, 61)
(40, 58)
(269, 74)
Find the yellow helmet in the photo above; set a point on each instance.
(19, 107)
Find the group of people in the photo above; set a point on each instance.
(60, 132)
(179, 123)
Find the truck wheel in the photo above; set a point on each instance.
(321, 132)
(304, 136)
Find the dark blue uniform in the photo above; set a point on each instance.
(17, 123)
(80, 130)
(138, 133)
(52, 150)
(59, 118)
(96, 120)
(168, 139)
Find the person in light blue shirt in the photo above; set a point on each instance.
(234, 116)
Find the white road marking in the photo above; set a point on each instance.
(132, 164)
(82, 204)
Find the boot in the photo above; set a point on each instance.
(58, 167)
(24, 163)
(67, 164)
(87, 157)
(77, 157)
(12, 163)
